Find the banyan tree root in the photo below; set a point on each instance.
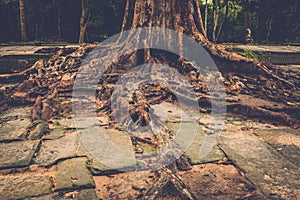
(167, 177)
(48, 86)
(49, 89)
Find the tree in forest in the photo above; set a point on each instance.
(22, 21)
(59, 27)
(206, 15)
(218, 19)
(84, 20)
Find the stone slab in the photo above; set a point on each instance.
(193, 152)
(87, 194)
(14, 129)
(54, 134)
(17, 154)
(108, 150)
(14, 123)
(24, 186)
(17, 112)
(38, 130)
(95, 166)
(264, 166)
(285, 141)
(29, 49)
(82, 123)
(269, 48)
(52, 151)
(73, 174)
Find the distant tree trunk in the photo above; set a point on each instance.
(84, 20)
(226, 4)
(247, 20)
(206, 15)
(216, 11)
(38, 22)
(58, 18)
(22, 21)
(269, 28)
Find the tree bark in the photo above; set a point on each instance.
(206, 15)
(59, 32)
(84, 20)
(22, 21)
(183, 16)
(226, 4)
(216, 11)
(269, 24)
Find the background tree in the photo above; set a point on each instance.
(56, 20)
(84, 20)
(22, 21)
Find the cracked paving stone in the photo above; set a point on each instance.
(52, 151)
(87, 194)
(185, 128)
(14, 124)
(14, 129)
(54, 134)
(263, 165)
(73, 174)
(193, 151)
(17, 154)
(285, 141)
(115, 152)
(38, 130)
(24, 186)
(20, 112)
(170, 113)
(82, 123)
(95, 166)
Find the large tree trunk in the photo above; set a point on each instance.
(22, 21)
(184, 16)
(243, 77)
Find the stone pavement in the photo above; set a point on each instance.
(276, 54)
(47, 160)
(29, 49)
(32, 49)
(268, 48)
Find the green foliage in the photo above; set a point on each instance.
(246, 53)
(284, 15)
(106, 17)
